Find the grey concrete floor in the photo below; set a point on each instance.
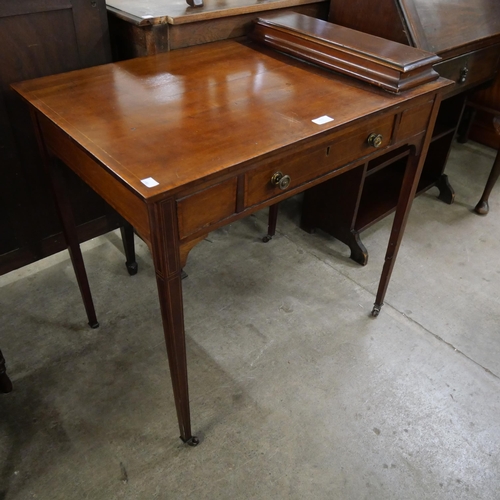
(296, 391)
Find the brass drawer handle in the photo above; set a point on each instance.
(280, 180)
(375, 140)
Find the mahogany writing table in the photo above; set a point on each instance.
(188, 141)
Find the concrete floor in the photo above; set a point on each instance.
(296, 391)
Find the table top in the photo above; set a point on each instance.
(145, 12)
(185, 116)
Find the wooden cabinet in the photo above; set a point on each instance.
(38, 38)
(486, 104)
(143, 28)
(466, 35)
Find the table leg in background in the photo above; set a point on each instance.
(70, 234)
(482, 207)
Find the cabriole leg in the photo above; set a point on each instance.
(482, 208)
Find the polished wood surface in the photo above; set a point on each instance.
(131, 146)
(392, 66)
(448, 27)
(168, 121)
(440, 26)
(140, 28)
(462, 33)
(146, 12)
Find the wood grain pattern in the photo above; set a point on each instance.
(146, 12)
(192, 219)
(414, 120)
(433, 25)
(392, 66)
(146, 114)
(456, 24)
(348, 145)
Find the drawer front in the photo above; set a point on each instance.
(348, 145)
(414, 120)
(204, 208)
(470, 69)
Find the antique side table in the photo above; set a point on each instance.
(151, 135)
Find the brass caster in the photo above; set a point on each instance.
(192, 441)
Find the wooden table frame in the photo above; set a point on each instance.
(212, 190)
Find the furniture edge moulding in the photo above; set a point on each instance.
(390, 65)
(55, 141)
(134, 36)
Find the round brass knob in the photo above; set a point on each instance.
(375, 140)
(280, 180)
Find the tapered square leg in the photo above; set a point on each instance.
(166, 257)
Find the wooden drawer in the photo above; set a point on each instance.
(414, 120)
(204, 208)
(343, 147)
(470, 69)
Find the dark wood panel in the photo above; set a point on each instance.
(482, 129)
(434, 25)
(448, 25)
(39, 38)
(23, 7)
(360, 15)
(174, 26)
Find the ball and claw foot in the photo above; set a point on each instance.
(132, 268)
(192, 441)
(267, 238)
(376, 310)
